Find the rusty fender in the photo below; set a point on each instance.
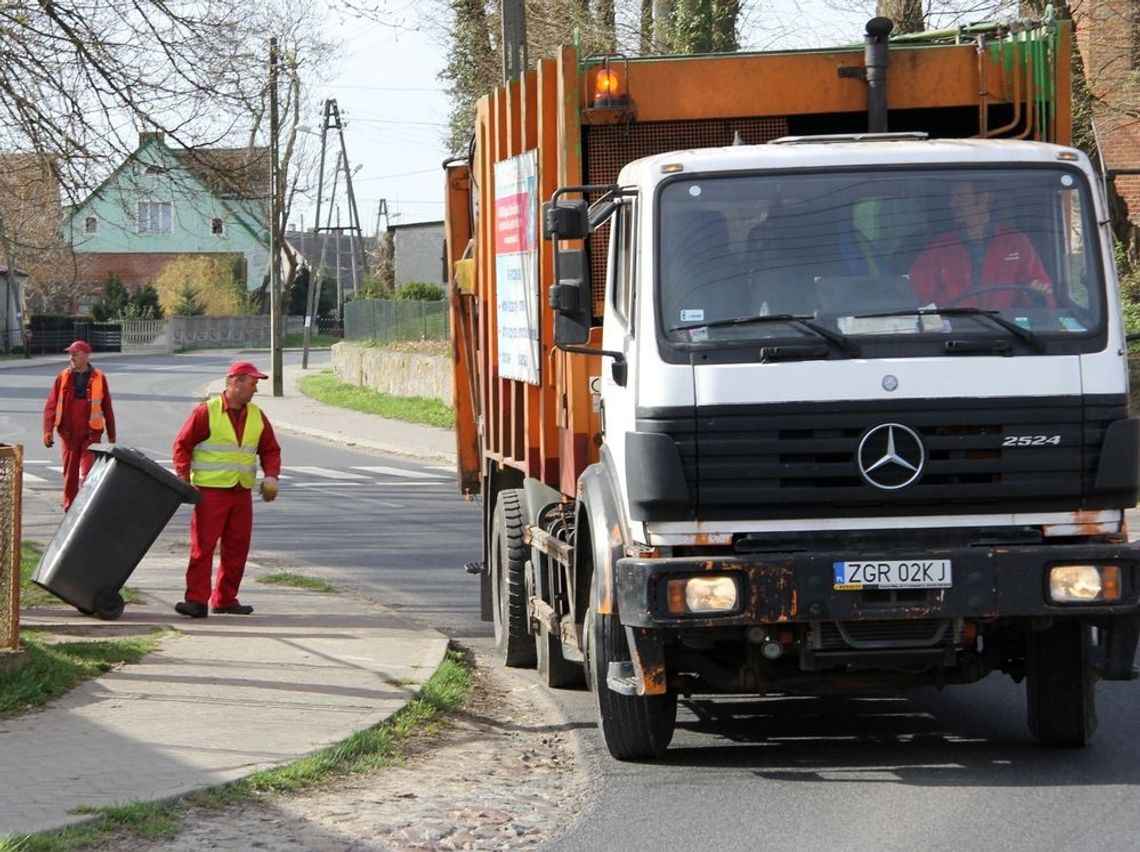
(988, 582)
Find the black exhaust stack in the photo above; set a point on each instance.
(876, 60)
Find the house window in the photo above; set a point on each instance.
(90, 225)
(155, 217)
(217, 226)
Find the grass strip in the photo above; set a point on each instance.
(325, 387)
(384, 745)
(316, 341)
(298, 581)
(51, 669)
(33, 596)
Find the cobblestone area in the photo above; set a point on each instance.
(503, 775)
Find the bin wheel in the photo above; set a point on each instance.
(109, 604)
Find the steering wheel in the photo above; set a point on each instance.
(1041, 299)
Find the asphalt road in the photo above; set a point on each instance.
(923, 770)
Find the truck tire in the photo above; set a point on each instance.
(508, 582)
(634, 727)
(1061, 686)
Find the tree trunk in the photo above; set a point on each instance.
(662, 25)
(906, 14)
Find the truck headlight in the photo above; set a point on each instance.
(1080, 584)
(702, 595)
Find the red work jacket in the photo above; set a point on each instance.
(56, 411)
(944, 271)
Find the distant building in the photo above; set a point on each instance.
(419, 253)
(11, 308)
(1108, 36)
(29, 218)
(163, 203)
(342, 256)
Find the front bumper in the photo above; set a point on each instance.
(989, 582)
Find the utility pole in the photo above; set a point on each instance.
(313, 296)
(353, 213)
(275, 209)
(514, 39)
(339, 286)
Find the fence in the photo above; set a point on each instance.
(11, 476)
(146, 335)
(386, 320)
(50, 340)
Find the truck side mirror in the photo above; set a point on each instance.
(571, 300)
(565, 220)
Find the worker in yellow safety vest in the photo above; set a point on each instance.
(217, 452)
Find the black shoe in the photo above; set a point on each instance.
(236, 609)
(191, 609)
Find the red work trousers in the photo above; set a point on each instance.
(75, 436)
(226, 514)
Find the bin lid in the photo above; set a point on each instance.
(149, 466)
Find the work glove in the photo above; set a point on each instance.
(48, 440)
(269, 489)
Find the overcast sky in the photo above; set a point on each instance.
(395, 109)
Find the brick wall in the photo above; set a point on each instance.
(1108, 36)
(134, 269)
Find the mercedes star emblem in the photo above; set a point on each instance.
(891, 456)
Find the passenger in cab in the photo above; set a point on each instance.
(958, 267)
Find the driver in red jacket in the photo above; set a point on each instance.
(978, 255)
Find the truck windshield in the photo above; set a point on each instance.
(950, 258)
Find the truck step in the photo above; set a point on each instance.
(474, 567)
(621, 678)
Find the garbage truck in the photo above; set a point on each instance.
(796, 373)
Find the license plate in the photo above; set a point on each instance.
(893, 574)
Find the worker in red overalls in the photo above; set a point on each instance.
(79, 409)
(217, 452)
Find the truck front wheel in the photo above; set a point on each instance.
(634, 727)
(508, 581)
(1061, 685)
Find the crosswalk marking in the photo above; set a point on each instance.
(31, 477)
(327, 473)
(399, 471)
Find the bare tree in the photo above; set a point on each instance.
(81, 79)
(907, 15)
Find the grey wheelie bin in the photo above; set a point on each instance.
(121, 508)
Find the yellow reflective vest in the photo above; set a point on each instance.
(220, 461)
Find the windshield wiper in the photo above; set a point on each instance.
(840, 341)
(1023, 334)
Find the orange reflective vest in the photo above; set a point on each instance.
(96, 390)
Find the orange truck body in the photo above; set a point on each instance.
(820, 468)
(547, 431)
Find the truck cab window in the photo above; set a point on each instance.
(623, 251)
(909, 258)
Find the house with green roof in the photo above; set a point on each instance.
(164, 203)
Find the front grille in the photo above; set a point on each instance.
(800, 460)
(881, 635)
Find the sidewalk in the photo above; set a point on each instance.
(225, 695)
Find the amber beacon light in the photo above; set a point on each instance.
(610, 84)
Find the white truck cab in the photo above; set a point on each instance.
(864, 422)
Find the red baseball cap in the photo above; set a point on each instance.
(79, 346)
(244, 368)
